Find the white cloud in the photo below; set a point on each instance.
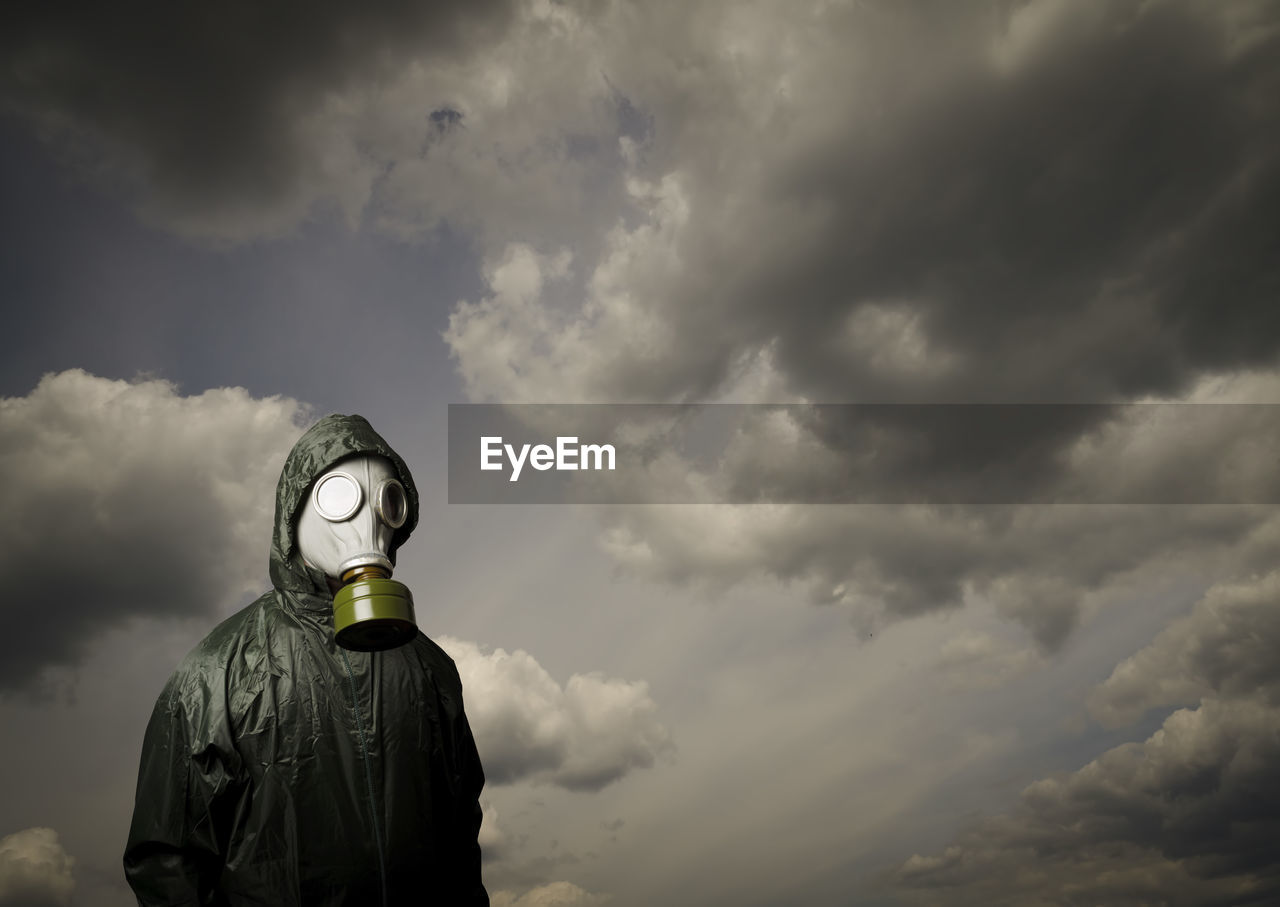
(582, 736)
(34, 869)
(555, 894)
(523, 343)
(493, 339)
(491, 837)
(138, 500)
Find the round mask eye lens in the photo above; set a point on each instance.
(337, 496)
(392, 506)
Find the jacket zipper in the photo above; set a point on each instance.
(368, 777)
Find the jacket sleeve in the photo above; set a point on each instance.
(175, 851)
(472, 890)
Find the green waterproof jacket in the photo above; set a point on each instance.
(280, 769)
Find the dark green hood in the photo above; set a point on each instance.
(322, 446)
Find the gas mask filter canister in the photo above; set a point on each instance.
(345, 529)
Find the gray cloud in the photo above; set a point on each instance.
(34, 869)
(916, 202)
(952, 205)
(1225, 647)
(1188, 816)
(130, 499)
(582, 736)
(1037, 566)
(980, 661)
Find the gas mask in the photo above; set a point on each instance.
(345, 529)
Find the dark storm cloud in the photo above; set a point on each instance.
(129, 499)
(1189, 816)
(203, 104)
(1089, 221)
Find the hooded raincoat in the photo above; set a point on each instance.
(280, 769)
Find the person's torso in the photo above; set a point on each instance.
(348, 762)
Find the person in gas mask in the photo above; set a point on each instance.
(313, 749)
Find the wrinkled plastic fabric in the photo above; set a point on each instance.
(279, 769)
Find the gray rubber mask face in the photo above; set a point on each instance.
(345, 530)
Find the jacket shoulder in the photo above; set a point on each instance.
(439, 663)
(223, 651)
(430, 649)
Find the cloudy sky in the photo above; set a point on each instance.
(220, 225)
